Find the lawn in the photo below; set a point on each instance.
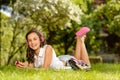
(98, 72)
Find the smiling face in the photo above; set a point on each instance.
(33, 41)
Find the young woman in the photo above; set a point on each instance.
(40, 55)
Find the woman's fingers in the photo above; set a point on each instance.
(19, 64)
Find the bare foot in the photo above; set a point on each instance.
(81, 38)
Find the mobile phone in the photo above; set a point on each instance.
(17, 62)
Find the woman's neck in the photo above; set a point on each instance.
(37, 52)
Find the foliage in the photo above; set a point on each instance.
(65, 43)
(103, 21)
(50, 14)
(6, 33)
(109, 14)
(100, 72)
(12, 40)
(85, 5)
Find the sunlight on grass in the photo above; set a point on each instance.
(98, 72)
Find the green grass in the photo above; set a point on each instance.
(98, 72)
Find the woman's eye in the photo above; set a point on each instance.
(35, 38)
(29, 40)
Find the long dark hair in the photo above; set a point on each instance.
(31, 52)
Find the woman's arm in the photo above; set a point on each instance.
(31, 65)
(48, 57)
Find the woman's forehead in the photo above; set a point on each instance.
(33, 34)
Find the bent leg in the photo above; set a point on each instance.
(84, 55)
(78, 49)
(81, 52)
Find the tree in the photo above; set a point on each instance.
(13, 38)
(52, 15)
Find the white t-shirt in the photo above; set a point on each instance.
(39, 61)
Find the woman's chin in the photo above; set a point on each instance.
(34, 48)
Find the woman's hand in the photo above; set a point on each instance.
(20, 64)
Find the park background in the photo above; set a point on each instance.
(58, 20)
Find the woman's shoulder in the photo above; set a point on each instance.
(48, 46)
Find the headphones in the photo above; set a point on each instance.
(42, 39)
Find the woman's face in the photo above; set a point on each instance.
(33, 41)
